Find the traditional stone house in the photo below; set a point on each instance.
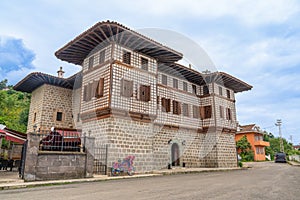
(133, 95)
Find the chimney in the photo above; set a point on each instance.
(60, 73)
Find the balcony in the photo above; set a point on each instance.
(261, 143)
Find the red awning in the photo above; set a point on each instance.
(14, 138)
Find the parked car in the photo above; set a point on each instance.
(280, 157)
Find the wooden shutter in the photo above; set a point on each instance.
(99, 88)
(195, 111)
(221, 111)
(163, 105)
(85, 88)
(102, 56)
(91, 62)
(185, 109)
(145, 93)
(208, 112)
(126, 57)
(126, 88)
(202, 112)
(176, 107)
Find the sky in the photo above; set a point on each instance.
(256, 41)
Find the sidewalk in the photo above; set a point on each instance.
(13, 182)
(294, 163)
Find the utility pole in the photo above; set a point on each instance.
(278, 123)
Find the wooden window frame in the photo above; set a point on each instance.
(175, 83)
(59, 116)
(185, 109)
(165, 104)
(126, 57)
(126, 88)
(145, 93)
(228, 93)
(91, 62)
(99, 89)
(228, 114)
(194, 89)
(176, 107)
(220, 91)
(205, 90)
(164, 79)
(206, 112)
(185, 86)
(144, 63)
(102, 56)
(221, 108)
(196, 113)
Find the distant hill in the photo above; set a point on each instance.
(14, 107)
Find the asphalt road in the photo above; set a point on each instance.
(263, 181)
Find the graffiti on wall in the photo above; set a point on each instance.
(125, 166)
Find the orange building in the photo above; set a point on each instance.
(255, 138)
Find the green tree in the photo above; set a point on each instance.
(3, 84)
(14, 108)
(244, 147)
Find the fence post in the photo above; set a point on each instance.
(62, 141)
(106, 153)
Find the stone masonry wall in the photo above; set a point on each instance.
(36, 105)
(50, 165)
(151, 144)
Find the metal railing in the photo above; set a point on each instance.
(61, 140)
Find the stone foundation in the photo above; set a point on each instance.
(151, 144)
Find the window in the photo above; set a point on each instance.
(34, 117)
(175, 83)
(145, 93)
(196, 111)
(185, 86)
(194, 88)
(221, 112)
(205, 90)
(126, 57)
(91, 62)
(165, 105)
(85, 93)
(228, 94)
(157, 102)
(164, 79)
(228, 114)
(220, 91)
(78, 117)
(126, 88)
(205, 112)
(176, 107)
(59, 116)
(102, 56)
(99, 88)
(144, 62)
(185, 109)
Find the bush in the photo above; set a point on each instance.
(240, 164)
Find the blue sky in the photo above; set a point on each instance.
(256, 41)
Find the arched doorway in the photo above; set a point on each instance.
(175, 154)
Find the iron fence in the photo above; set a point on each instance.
(61, 140)
(100, 159)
